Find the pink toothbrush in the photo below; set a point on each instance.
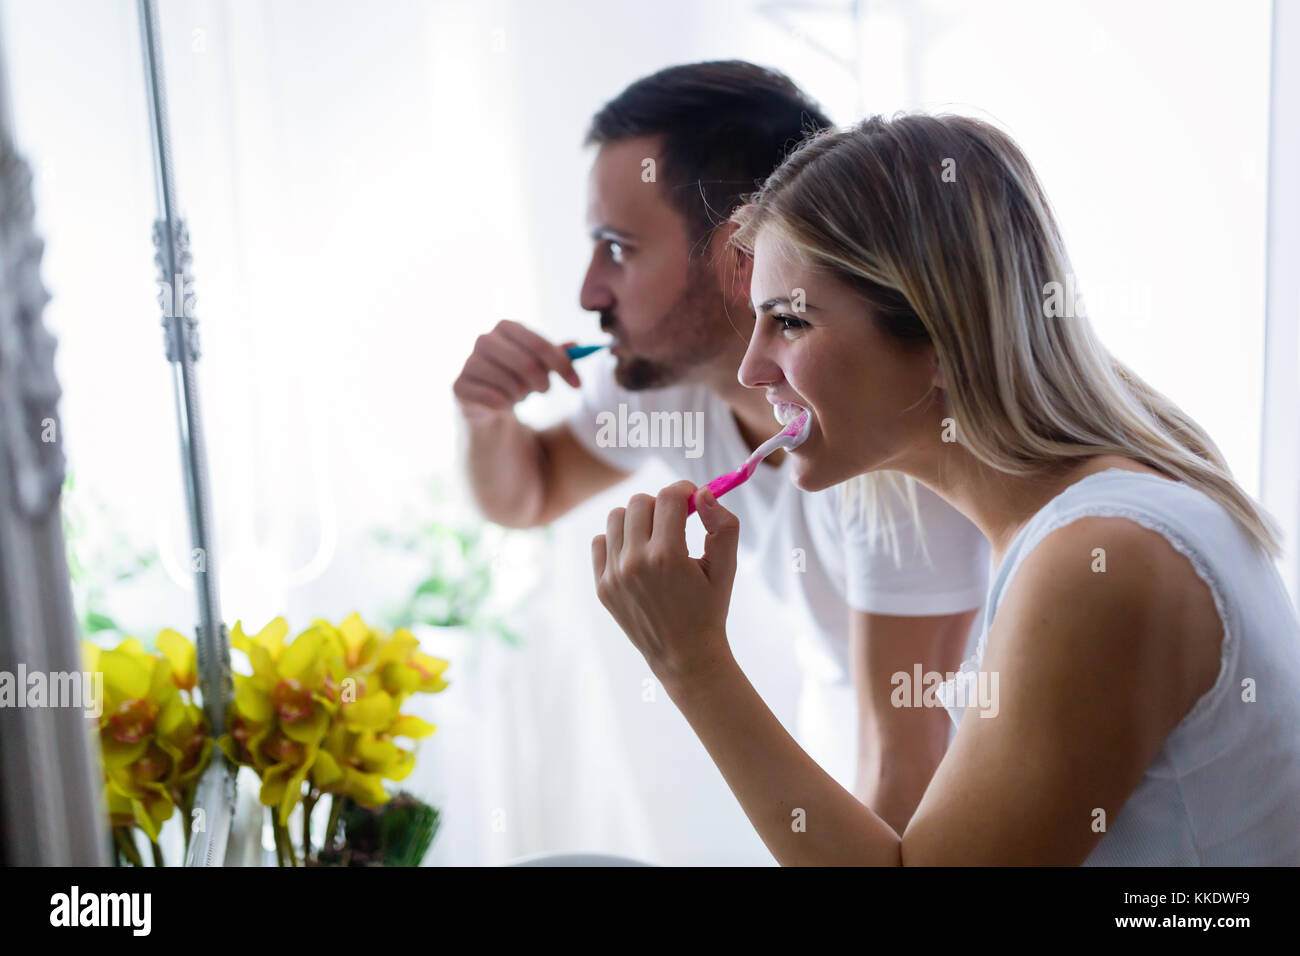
(788, 438)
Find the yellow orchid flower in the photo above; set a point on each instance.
(408, 725)
(153, 741)
(182, 734)
(360, 642)
(319, 714)
(355, 763)
(270, 637)
(181, 655)
(404, 669)
(283, 709)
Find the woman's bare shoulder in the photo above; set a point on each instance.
(1091, 663)
(1124, 596)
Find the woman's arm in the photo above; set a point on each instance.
(1093, 672)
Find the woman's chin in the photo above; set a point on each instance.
(807, 475)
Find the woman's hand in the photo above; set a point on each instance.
(672, 606)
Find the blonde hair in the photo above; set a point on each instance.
(942, 226)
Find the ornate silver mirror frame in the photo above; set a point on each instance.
(50, 813)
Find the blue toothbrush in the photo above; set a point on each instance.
(582, 351)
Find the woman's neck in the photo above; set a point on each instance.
(997, 503)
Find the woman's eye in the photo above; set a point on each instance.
(789, 323)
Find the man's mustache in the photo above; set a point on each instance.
(608, 323)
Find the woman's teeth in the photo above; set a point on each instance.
(786, 412)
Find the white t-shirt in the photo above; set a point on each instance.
(818, 562)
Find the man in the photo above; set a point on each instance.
(676, 151)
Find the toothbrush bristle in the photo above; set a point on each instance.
(799, 428)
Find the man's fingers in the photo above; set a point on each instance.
(598, 556)
(491, 366)
(669, 534)
(551, 356)
(520, 362)
(476, 393)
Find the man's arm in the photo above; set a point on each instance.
(521, 477)
(900, 747)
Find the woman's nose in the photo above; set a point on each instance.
(757, 370)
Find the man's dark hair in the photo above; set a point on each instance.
(723, 125)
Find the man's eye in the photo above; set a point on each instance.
(615, 250)
(789, 323)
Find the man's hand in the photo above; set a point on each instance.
(521, 477)
(508, 364)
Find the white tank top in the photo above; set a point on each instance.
(1224, 789)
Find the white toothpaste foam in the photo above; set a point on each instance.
(786, 412)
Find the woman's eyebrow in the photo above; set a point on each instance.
(768, 304)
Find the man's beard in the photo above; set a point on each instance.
(697, 325)
(638, 374)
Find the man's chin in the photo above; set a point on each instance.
(638, 374)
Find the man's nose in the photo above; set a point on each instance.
(595, 296)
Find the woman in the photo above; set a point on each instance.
(1145, 657)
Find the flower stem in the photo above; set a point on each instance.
(332, 828)
(126, 846)
(287, 842)
(187, 820)
(308, 805)
(157, 853)
(278, 832)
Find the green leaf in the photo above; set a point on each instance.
(435, 585)
(100, 622)
(505, 633)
